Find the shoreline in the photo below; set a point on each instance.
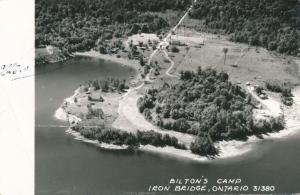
(292, 127)
(60, 114)
(112, 58)
(79, 137)
(228, 149)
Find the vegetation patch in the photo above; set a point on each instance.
(280, 87)
(272, 24)
(82, 24)
(205, 104)
(118, 137)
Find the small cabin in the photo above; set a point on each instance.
(114, 50)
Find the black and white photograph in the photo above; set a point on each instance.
(146, 97)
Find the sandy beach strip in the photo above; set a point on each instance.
(292, 122)
(113, 58)
(79, 137)
(60, 113)
(228, 149)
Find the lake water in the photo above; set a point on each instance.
(66, 166)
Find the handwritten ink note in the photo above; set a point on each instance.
(15, 71)
(12, 69)
(17, 97)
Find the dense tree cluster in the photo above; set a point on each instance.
(105, 85)
(118, 137)
(41, 60)
(79, 25)
(279, 87)
(203, 146)
(273, 24)
(284, 88)
(205, 104)
(174, 49)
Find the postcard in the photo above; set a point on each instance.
(113, 97)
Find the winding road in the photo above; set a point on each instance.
(164, 43)
(172, 65)
(129, 118)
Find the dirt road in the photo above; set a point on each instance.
(130, 119)
(172, 65)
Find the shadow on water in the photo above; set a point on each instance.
(52, 67)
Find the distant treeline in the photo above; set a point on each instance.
(118, 137)
(273, 24)
(79, 25)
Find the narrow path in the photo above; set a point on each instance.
(164, 43)
(133, 89)
(172, 65)
(130, 119)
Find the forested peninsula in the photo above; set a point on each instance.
(206, 104)
(183, 96)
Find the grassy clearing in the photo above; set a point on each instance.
(109, 107)
(243, 64)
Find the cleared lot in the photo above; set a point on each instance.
(243, 63)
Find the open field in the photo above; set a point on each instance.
(79, 109)
(243, 63)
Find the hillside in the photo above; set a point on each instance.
(273, 24)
